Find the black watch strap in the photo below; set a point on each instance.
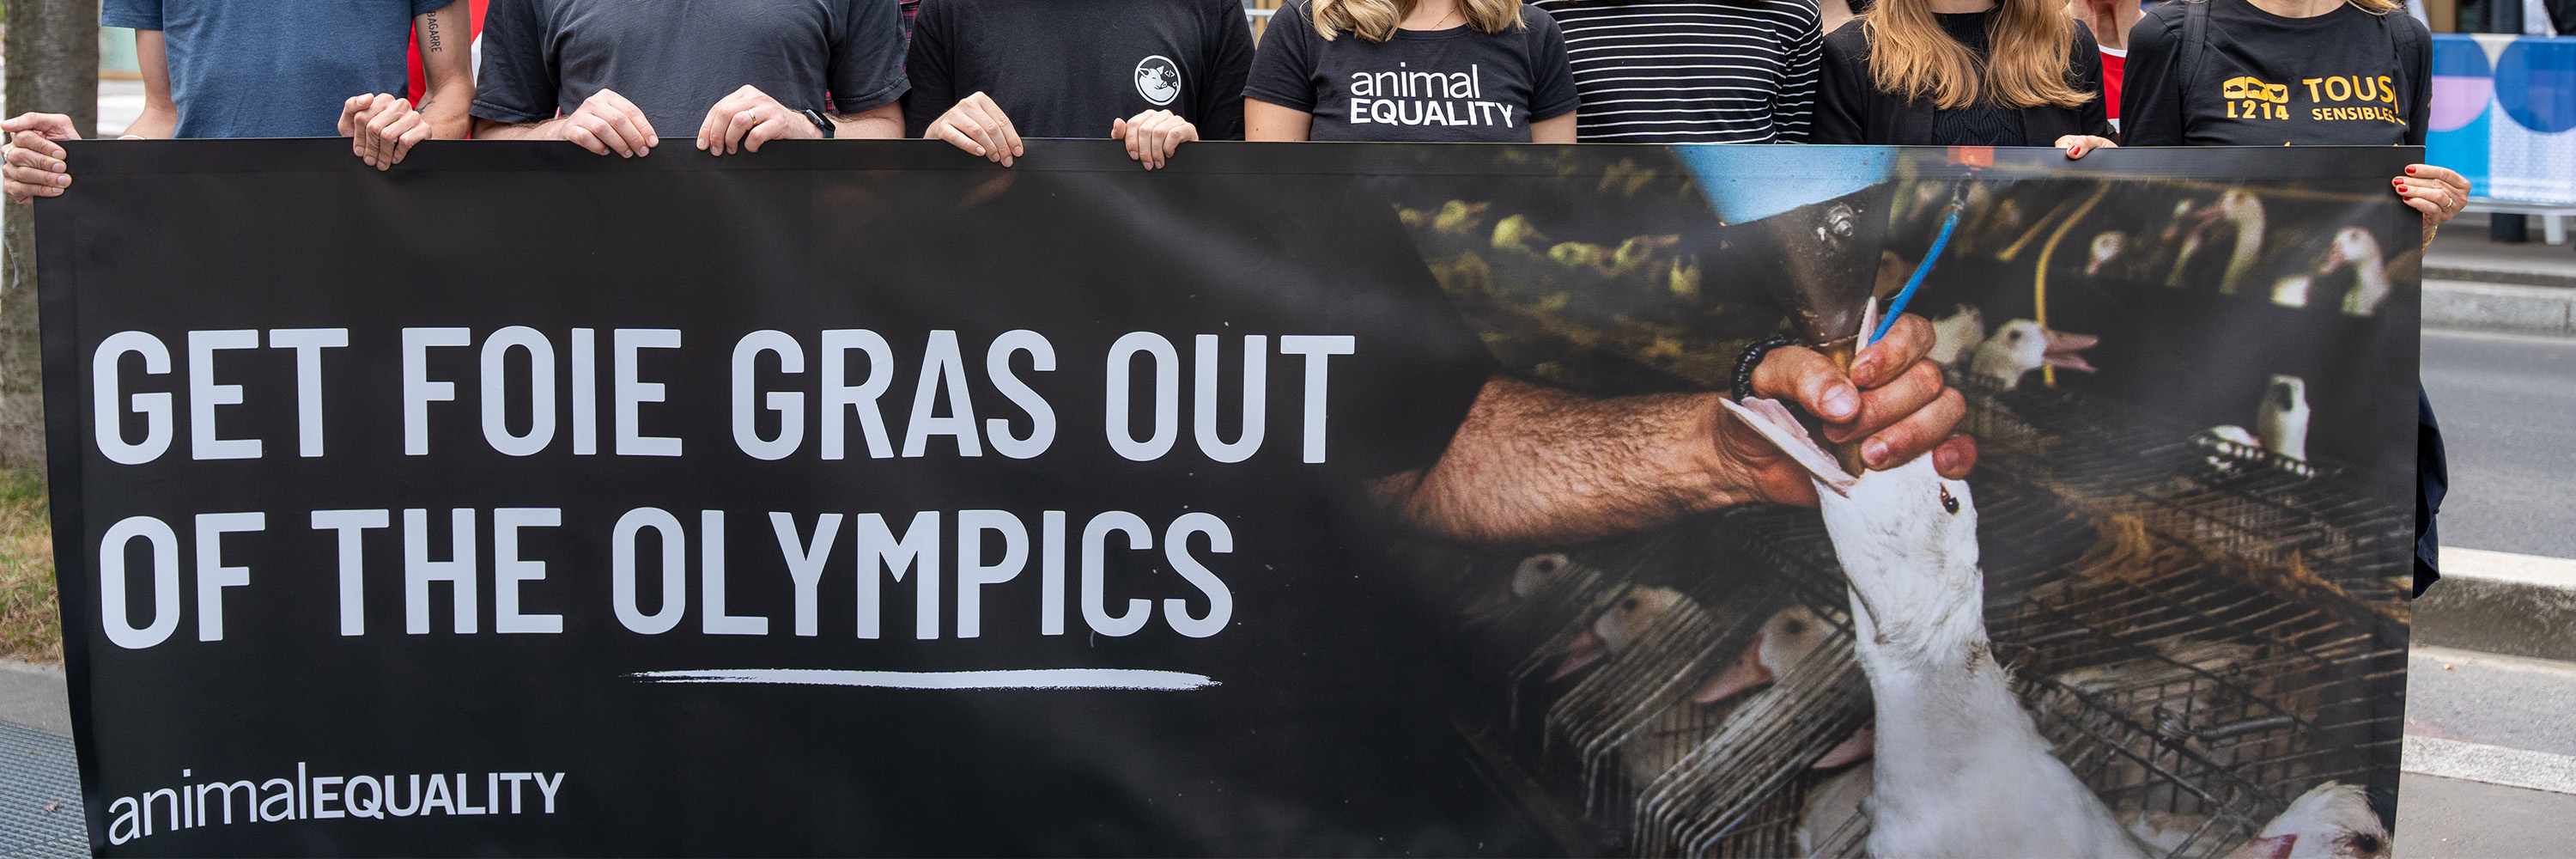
(820, 121)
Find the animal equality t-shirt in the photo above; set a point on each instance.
(272, 69)
(1070, 68)
(676, 58)
(1453, 85)
(2265, 80)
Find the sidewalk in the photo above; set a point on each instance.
(2474, 283)
(40, 807)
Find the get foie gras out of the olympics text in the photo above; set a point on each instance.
(310, 796)
(128, 387)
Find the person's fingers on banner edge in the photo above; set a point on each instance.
(2078, 144)
(35, 168)
(2438, 192)
(386, 130)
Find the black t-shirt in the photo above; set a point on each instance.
(1069, 68)
(676, 60)
(1455, 85)
(2265, 80)
(1854, 110)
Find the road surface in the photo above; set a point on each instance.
(2507, 405)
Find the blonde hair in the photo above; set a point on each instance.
(1376, 20)
(2375, 7)
(2025, 63)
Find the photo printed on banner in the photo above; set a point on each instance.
(869, 498)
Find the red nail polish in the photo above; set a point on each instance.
(2410, 171)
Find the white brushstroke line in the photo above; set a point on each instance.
(2491, 764)
(1013, 678)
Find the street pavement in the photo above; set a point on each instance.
(2504, 402)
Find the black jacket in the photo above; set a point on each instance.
(1853, 110)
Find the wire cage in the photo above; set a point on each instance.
(2310, 525)
(2191, 626)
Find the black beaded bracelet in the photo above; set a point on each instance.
(1751, 359)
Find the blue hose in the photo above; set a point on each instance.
(1920, 272)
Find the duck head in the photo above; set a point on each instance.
(2353, 246)
(2022, 345)
(1627, 620)
(1906, 538)
(1780, 644)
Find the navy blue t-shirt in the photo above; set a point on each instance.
(274, 68)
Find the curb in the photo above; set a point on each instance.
(2512, 308)
(2523, 277)
(2499, 602)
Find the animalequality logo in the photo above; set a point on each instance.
(1158, 79)
(319, 797)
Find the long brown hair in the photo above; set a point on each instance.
(2375, 7)
(1376, 20)
(2028, 42)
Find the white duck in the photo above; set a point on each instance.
(2330, 821)
(2282, 420)
(1783, 641)
(1962, 771)
(1637, 612)
(2238, 208)
(1535, 575)
(1955, 337)
(2022, 346)
(1781, 644)
(2107, 246)
(2356, 247)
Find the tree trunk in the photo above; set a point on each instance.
(52, 57)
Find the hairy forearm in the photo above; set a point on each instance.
(1534, 464)
(485, 129)
(880, 124)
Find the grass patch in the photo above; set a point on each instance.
(31, 621)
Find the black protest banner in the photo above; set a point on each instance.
(867, 498)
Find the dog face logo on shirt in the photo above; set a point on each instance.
(1158, 79)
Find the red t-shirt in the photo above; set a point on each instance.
(2114, 61)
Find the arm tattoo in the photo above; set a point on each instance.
(432, 32)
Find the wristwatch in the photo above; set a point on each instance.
(820, 121)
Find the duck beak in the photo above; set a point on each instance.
(2275, 847)
(2064, 349)
(1859, 746)
(1744, 674)
(1584, 651)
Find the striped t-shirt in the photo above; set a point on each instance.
(1692, 71)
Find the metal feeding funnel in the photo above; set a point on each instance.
(1830, 250)
(1826, 207)
(1826, 210)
